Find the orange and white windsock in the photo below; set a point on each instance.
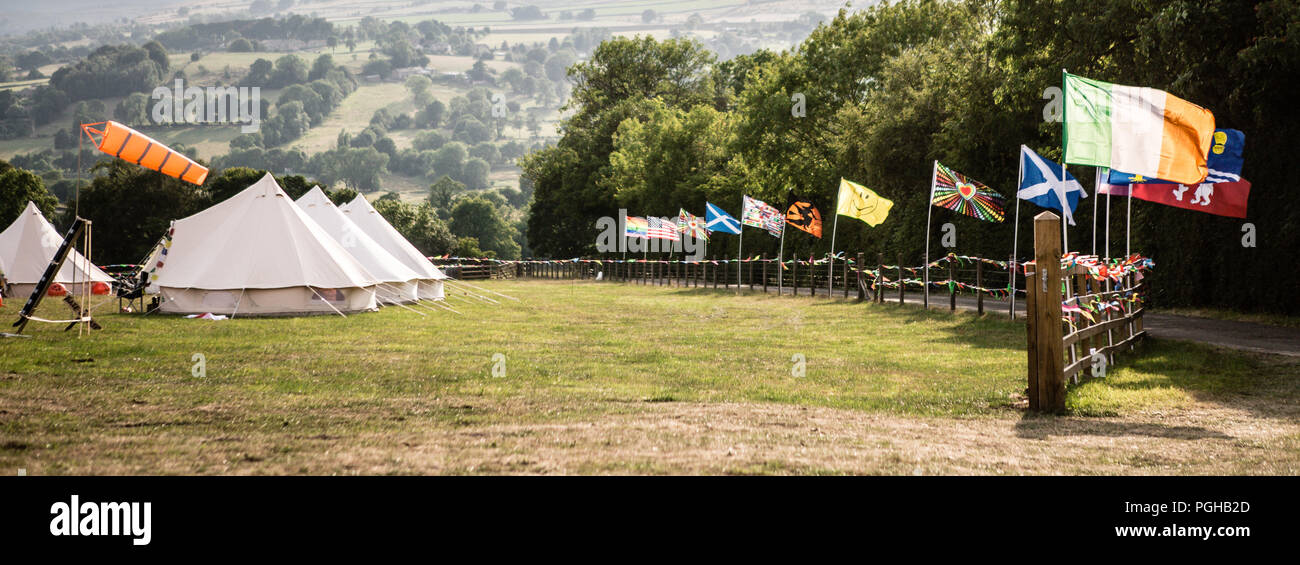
(130, 145)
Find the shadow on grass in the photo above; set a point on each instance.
(1033, 426)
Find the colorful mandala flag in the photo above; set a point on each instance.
(952, 190)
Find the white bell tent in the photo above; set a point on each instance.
(26, 248)
(400, 283)
(257, 253)
(373, 223)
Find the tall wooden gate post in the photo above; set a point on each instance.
(1043, 304)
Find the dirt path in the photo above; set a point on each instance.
(1246, 336)
(747, 438)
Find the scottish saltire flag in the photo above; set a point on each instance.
(1224, 160)
(636, 227)
(689, 223)
(1145, 131)
(661, 228)
(1041, 184)
(717, 220)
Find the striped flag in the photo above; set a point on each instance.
(661, 228)
(636, 227)
(1142, 131)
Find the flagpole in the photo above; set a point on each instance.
(835, 226)
(1065, 228)
(740, 251)
(1096, 183)
(1128, 224)
(780, 264)
(1015, 229)
(929, 211)
(1108, 191)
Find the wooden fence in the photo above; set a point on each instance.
(475, 269)
(1076, 319)
(831, 277)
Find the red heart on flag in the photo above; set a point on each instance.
(966, 190)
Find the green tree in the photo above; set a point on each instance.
(442, 192)
(479, 218)
(421, 90)
(130, 207)
(17, 188)
(622, 75)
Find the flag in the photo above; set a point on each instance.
(1145, 131)
(803, 215)
(1109, 186)
(1224, 161)
(1221, 199)
(759, 214)
(1041, 184)
(636, 227)
(661, 228)
(857, 201)
(773, 221)
(954, 191)
(717, 220)
(689, 223)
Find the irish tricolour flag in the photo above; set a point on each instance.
(1145, 131)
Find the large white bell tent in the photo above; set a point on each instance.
(400, 283)
(26, 248)
(373, 223)
(257, 253)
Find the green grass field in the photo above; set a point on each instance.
(613, 378)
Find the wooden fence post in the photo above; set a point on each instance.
(880, 278)
(830, 276)
(794, 275)
(979, 286)
(764, 273)
(846, 275)
(952, 286)
(862, 290)
(901, 287)
(1046, 363)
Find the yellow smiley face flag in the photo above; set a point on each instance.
(857, 201)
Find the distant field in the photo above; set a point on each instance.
(354, 114)
(616, 378)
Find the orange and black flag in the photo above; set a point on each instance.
(803, 215)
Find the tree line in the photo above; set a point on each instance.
(656, 125)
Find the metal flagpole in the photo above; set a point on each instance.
(780, 263)
(1060, 196)
(929, 211)
(1108, 223)
(740, 251)
(830, 276)
(1128, 224)
(1096, 183)
(1015, 230)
